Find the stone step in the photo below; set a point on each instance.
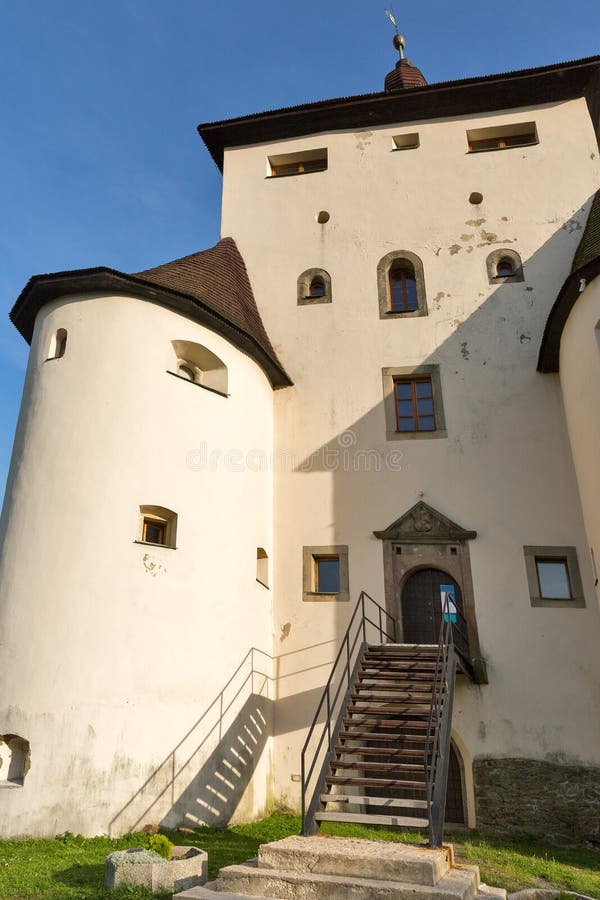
(249, 879)
(209, 892)
(356, 858)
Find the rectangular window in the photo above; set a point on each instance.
(406, 141)
(501, 137)
(414, 404)
(297, 163)
(553, 579)
(154, 532)
(325, 573)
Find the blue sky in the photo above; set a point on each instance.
(100, 160)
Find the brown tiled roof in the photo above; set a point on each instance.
(405, 75)
(586, 267)
(217, 278)
(211, 287)
(465, 96)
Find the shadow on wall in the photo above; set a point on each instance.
(204, 777)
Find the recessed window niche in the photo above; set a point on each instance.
(157, 526)
(504, 266)
(58, 344)
(15, 754)
(199, 365)
(262, 567)
(314, 286)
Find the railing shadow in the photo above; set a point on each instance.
(204, 777)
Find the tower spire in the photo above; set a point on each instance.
(405, 75)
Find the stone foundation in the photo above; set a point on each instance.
(561, 802)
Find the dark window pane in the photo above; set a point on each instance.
(405, 407)
(424, 389)
(412, 300)
(426, 423)
(554, 579)
(328, 576)
(317, 288)
(404, 389)
(406, 424)
(425, 407)
(397, 292)
(154, 532)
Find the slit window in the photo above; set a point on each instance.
(262, 567)
(502, 137)
(297, 163)
(403, 287)
(414, 404)
(58, 344)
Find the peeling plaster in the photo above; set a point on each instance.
(467, 237)
(285, 631)
(475, 222)
(488, 236)
(454, 249)
(525, 338)
(572, 225)
(152, 567)
(464, 350)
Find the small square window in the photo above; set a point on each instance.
(154, 532)
(325, 573)
(553, 577)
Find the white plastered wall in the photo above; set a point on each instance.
(580, 383)
(505, 469)
(113, 651)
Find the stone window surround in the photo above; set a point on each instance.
(309, 554)
(304, 282)
(392, 373)
(569, 554)
(383, 287)
(492, 264)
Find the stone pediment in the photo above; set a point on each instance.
(424, 525)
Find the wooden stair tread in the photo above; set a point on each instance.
(389, 783)
(366, 800)
(416, 724)
(387, 738)
(391, 694)
(371, 819)
(380, 751)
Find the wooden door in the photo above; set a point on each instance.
(421, 605)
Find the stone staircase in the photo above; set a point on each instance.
(322, 868)
(378, 769)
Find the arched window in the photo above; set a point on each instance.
(401, 285)
(58, 344)
(201, 366)
(314, 286)
(504, 265)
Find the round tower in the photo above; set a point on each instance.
(138, 504)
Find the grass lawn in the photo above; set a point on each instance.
(72, 868)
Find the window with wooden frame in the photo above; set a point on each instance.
(502, 137)
(415, 409)
(413, 402)
(300, 163)
(403, 287)
(553, 577)
(157, 526)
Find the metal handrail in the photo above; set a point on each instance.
(341, 679)
(437, 752)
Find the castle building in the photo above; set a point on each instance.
(383, 378)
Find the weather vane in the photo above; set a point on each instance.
(399, 39)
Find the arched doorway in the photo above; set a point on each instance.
(455, 804)
(421, 607)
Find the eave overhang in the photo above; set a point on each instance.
(469, 96)
(42, 289)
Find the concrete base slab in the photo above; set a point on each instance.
(383, 861)
(250, 880)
